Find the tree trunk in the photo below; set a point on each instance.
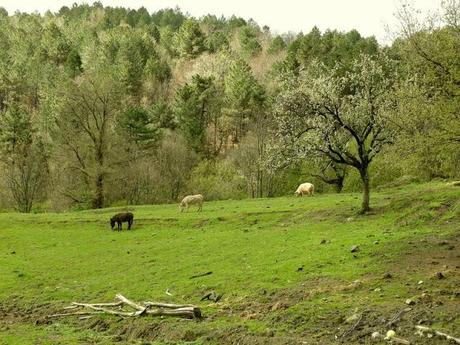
(215, 151)
(98, 201)
(339, 184)
(260, 192)
(366, 190)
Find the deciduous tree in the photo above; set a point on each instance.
(343, 118)
(85, 126)
(24, 157)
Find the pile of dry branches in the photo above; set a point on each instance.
(146, 308)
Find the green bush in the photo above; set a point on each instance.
(217, 180)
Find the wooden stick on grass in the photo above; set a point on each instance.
(76, 313)
(124, 300)
(424, 329)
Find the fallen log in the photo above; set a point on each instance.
(109, 311)
(190, 312)
(167, 305)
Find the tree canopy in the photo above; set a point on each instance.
(93, 96)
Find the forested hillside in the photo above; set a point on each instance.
(105, 106)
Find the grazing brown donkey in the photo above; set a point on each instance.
(119, 218)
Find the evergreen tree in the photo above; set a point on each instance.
(250, 46)
(195, 105)
(189, 39)
(243, 96)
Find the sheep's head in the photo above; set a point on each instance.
(112, 222)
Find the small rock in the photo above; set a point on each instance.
(387, 276)
(352, 318)
(377, 289)
(376, 335)
(376, 242)
(354, 249)
(410, 301)
(390, 334)
(323, 241)
(349, 219)
(270, 333)
(420, 282)
(276, 306)
(439, 275)
(425, 296)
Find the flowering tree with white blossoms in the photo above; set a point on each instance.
(341, 116)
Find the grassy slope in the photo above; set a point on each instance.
(254, 249)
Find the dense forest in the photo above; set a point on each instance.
(105, 106)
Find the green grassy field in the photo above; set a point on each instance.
(283, 265)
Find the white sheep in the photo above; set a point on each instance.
(190, 200)
(305, 188)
